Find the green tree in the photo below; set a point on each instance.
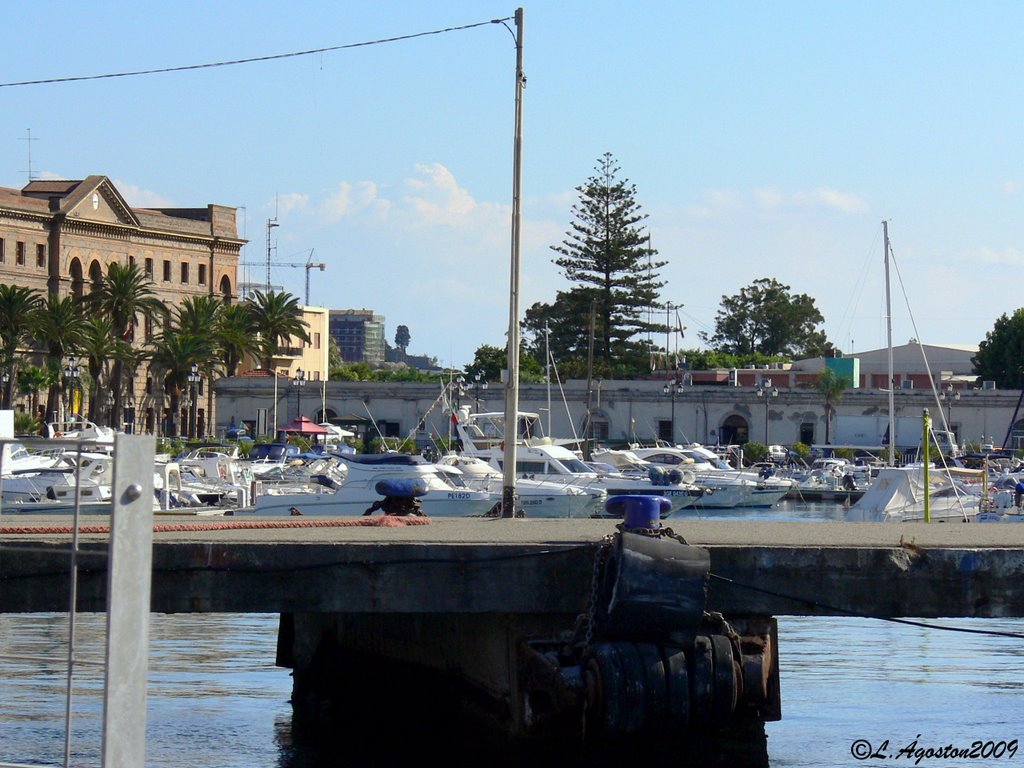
(831, 386)
(1000, 355)
(402, 339)
(765, 318)
(31, 380)
(607, 254)
(276, 318)
(174, 353)
(234, 336)
(491, 361)
(99, 345)
(334, 360)
(124, 293)
(18, 307)
(60, 327)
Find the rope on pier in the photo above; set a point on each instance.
(384, 521)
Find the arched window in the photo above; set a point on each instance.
(77, 279)
(225, 289)
(95, 276)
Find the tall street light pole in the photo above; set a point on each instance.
(72, 372)
(671, 388)
(478, 383)
(299, 382)
(767, 391)
(193, 379)
(508, 493)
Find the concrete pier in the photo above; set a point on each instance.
(468, 597)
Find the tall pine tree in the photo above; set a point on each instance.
(607, 255)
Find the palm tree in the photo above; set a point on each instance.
(200, 315)
(59, 326)
(276, 318)
(32, 379)
(235, 335)
(831, 386)
(174, 353)
(124, 292)
(98, 345)
(18, 306)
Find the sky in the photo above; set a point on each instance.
(765, 140)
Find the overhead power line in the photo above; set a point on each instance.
(254, 59)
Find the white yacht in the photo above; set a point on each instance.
(729, 487)
(482, 435)
(536, 498)
(438, 491)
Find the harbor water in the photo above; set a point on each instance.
(854, 691)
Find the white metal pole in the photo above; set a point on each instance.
(508, 495)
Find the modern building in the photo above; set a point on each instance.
(359, 334)
(61, 236)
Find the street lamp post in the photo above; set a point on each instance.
(109, 401)
(72, 372)
(479, 383)
(950, 395)
(186, 406)
(767, 391)
(193, 380)
(299, 382)
(671, 388)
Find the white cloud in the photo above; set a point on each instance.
(350, 199)
(833, 198)
(769, 197)
(292, 201)
(1010, 186)
(1013, 257)
(141, 198)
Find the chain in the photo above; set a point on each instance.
(600, 558)
(656, 532)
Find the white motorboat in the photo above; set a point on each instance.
(900, 493)
(438, 491)
(82, 478)
(536, 498)
(481, 435)
(729, 487)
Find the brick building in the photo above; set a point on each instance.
(61, 236)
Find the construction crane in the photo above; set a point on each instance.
(308, 264)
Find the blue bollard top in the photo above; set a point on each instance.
(638, 510)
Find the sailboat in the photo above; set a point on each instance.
(918, 491)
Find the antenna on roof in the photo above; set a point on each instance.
(30, 140)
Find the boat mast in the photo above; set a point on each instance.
(547, 371)
(508, 491)
(891, 456)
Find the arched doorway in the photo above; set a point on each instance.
(735, 430)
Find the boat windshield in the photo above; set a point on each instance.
(576, 466)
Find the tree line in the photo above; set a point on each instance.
(39, 334)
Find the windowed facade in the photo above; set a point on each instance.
(51, 225)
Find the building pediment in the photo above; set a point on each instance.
(93, 199)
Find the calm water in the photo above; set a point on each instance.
(216, 699)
